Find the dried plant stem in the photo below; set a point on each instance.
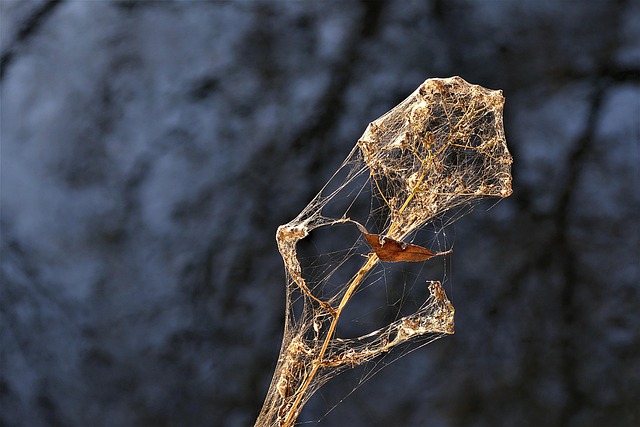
(351, 288)
(357, 279)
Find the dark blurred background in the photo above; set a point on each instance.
(150, 150)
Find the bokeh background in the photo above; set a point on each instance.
(150, 149)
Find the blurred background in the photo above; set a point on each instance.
(150, 149)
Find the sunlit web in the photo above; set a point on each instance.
(438, 151)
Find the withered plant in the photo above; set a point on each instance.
(442, 148)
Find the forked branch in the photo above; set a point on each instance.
(440, 148)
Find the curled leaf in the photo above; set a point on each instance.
(391, 250)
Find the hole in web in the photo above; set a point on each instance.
(328, 262)
(389, 293)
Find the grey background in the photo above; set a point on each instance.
(150, 149)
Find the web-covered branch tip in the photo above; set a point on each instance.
(435, 318)
(441, 147)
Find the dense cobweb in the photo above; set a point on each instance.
(441, 149)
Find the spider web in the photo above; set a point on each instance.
(438, 151)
